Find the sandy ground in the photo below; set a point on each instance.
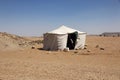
(92, 63)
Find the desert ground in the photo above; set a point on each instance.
(22, 58)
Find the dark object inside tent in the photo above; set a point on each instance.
(71, 41)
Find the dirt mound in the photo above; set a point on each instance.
(10, 41)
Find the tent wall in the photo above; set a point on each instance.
(50, 42)
(62, 41)
(54, 41)
(80, 41)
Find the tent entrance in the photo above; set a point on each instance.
(71, 41)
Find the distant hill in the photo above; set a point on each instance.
(111, 34)
(11, 41)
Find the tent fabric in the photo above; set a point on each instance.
(64, 30)
(54, 42)
(58, 39)
(80, 41)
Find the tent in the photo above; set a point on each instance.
(64, 37)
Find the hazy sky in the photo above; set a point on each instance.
(35, 17)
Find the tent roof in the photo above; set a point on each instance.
(64, 30)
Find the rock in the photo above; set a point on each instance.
(88, 51)
(66, 49)
(102, 49)
(32, 47)
(97, 46)
(85, 47)
(76, 52)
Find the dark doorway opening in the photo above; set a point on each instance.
(71, 41)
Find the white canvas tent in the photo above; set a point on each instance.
(64, 37)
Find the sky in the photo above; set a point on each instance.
(35, 17)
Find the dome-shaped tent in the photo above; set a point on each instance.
(64, 37)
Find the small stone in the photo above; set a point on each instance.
(85, 47)
(76, 52)
(66, 49)
(97, 46)
(32, 47)
(88, 51)
(102, 49)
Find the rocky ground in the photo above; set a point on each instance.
(20, 61)
(13, 42)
